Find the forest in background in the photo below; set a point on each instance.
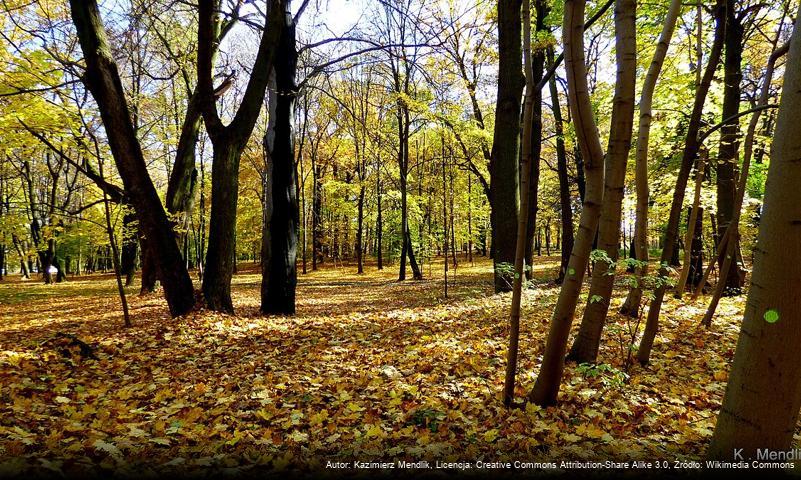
(605, 170)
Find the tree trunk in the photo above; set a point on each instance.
(688, 158)
(504, 168)
(130, 247)
(763, 397)
(103, 80)
(537, 67)
(546, 388)
(565, 204)
(587, 342)
(729, 150)
(631, 306)
(280, 235)
(222, 221)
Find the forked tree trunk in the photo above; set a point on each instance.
(229, 141)
(631, 306)
(688, 158)
(102, 79)
(504, 168)
(763, 396)
(546, 388)
(585, 347)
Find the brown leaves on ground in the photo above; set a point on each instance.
(369, 369)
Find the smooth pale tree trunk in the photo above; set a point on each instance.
(691, 146)
(587, 342)
(103, 81)
(280, 234)
(631, 306)
(546, 388)
(763, 396)
(504, 163)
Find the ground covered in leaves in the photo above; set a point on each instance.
(369, 369)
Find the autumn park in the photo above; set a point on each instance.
(359, 238)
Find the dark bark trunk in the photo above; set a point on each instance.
(537, 67)
(103, 80)
(565, 204)
(504, 166)
(130, 247)
(280, 234)
(728, 153)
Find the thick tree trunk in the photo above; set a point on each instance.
(688, 158)
(103, 80)
(587, 342)
(222, 220)
(546, 388)
(631, 306)
(763, 397)
(229, 141)
(504, 168)
(280, 235)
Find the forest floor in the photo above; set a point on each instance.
(369, 369)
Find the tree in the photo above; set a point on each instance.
(281, 216)
(504, 170)
(631, 306)
(103, 80)
(546, 388)
(763, 396)
(228, 142)
(689, 154)
(588, 340)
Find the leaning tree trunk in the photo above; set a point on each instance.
(587, 342)
(546, 388)
(504, 169)
(763, 396)
(280, 234)
(688, 158)
(631, 306)
(103, 81)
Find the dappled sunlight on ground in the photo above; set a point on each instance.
(370, 368)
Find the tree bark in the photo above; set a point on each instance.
(587, 342)
(688, 158)
(631, 306)
(280, 235)
(729, 149)
(103, 81)
(546, 388)
(504, 168)
(763, 396)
